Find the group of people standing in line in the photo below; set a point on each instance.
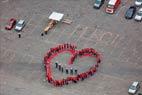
(71, 71)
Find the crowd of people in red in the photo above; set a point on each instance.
(72, 78)
(60, 48)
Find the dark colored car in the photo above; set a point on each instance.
(98, 4)
(11, 24)
(139, 93)
(130, 12)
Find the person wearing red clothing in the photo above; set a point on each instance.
(55, 83)
(80, 53)
(74, 79)
(49, 54)
(67, 46)
(97, 65)
(68, 79)
(55, 50)
(51, 49)
(94, 69)
(91, 72)
(65, 81)
(73, 58)
(64, 46)
(71, 47)
(82, 76)
(45, 59)
(61, 83)
(60, 48)
(50, 79)
(99, 60)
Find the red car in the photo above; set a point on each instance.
(11, 24)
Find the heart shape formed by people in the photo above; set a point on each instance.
(53, 52)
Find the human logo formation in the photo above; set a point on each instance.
(72, 78)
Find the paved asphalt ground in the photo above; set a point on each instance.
(117, 39)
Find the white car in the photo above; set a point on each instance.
(138, 2)
(138, 16)
(134, 87)
(20, 25)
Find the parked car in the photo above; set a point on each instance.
(130, 12)
(20, 25)
(138, 16)
(139, 93)
(98, 3)
(134, 87)
(138, 2)
(112, 6)
(10, 24)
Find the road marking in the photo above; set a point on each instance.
(113, 77)
(103, 35)
(85, 29)
(12, 57)
(4, 53)
(114, 40)
(74, 30)
(5, 1)
(122, 57)
(118, 12)
(88, 39)
(15, 53)
(8, 55)
(96, 29)
(47, 41)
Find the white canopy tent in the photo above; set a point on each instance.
(56, 16)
